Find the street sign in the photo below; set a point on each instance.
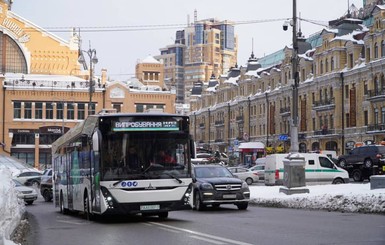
(283, 137)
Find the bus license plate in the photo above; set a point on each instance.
(229, 196)
(149, 207)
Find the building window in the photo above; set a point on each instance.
(376, 119)
(351, 61)
(117, 107)
(59, 110)
(81, 111)
(383, 49)
(38, 110)
(70, 111)
(48, 110)
(383, 115)
(91, 108)
(366, 118)
(28, 110)
(17, 110)
(347, 119)
(332, 64)
(375, 50)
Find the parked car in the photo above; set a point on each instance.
(28, 194)
(46, 185)
(259, 170)
(202, 158)
(29, 178)
(364, 161)
(215, 185)
(244, 174)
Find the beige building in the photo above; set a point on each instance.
(341, 93)
(205, 48)
(44, 91)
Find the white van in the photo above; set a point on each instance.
(319, 169)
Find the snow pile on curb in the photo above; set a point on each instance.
(10, 214)
(353, 198)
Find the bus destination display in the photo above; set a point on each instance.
(146, 126)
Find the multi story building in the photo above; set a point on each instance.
(205, 48)
(44, 91)
(341, 92)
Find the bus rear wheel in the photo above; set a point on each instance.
(61, 201)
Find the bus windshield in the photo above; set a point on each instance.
(144, 155)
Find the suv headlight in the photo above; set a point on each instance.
(245, 185)
(206, 186)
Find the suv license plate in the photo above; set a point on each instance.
(229, 196)
(149, 207)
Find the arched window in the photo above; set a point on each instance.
(326, 65)
(375, 50)
(321, 68)
(383, 49)
(12, 58)
(331, 64)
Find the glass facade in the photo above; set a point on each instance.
(199, 34)
(228, 42)
(12, 57)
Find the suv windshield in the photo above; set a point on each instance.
(212, 172)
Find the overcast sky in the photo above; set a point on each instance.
(119, 51)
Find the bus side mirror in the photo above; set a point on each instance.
(96, 141)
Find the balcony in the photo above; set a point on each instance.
(202, 125)
(323, 105)
(374, 128)
(285, 112)
(239, 119)
(376, 95)
(324, 132)
(219, 141)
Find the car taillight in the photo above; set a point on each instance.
(277, 174)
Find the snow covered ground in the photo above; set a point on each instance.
(342, 198)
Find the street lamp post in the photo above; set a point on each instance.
(294, 128)
(93, 60)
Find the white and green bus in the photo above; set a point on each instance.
(97, 172)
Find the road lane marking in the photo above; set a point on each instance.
(206, 240)
(201, 234)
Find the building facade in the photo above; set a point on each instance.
(44, 91)
(341, 92)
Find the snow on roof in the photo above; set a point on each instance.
(42, 77)
(232, 80)
(150, 60)
(348, 37)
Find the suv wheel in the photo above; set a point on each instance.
(357, 175)
(368, 163)
(199, 206)
(242, 206)
(342, 163)
(47, 196)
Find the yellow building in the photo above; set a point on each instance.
(341, 92)
(44, 91)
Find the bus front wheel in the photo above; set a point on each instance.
(86, 207)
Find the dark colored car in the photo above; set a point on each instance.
(364, 161)
(215, 185)
(46, 185)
